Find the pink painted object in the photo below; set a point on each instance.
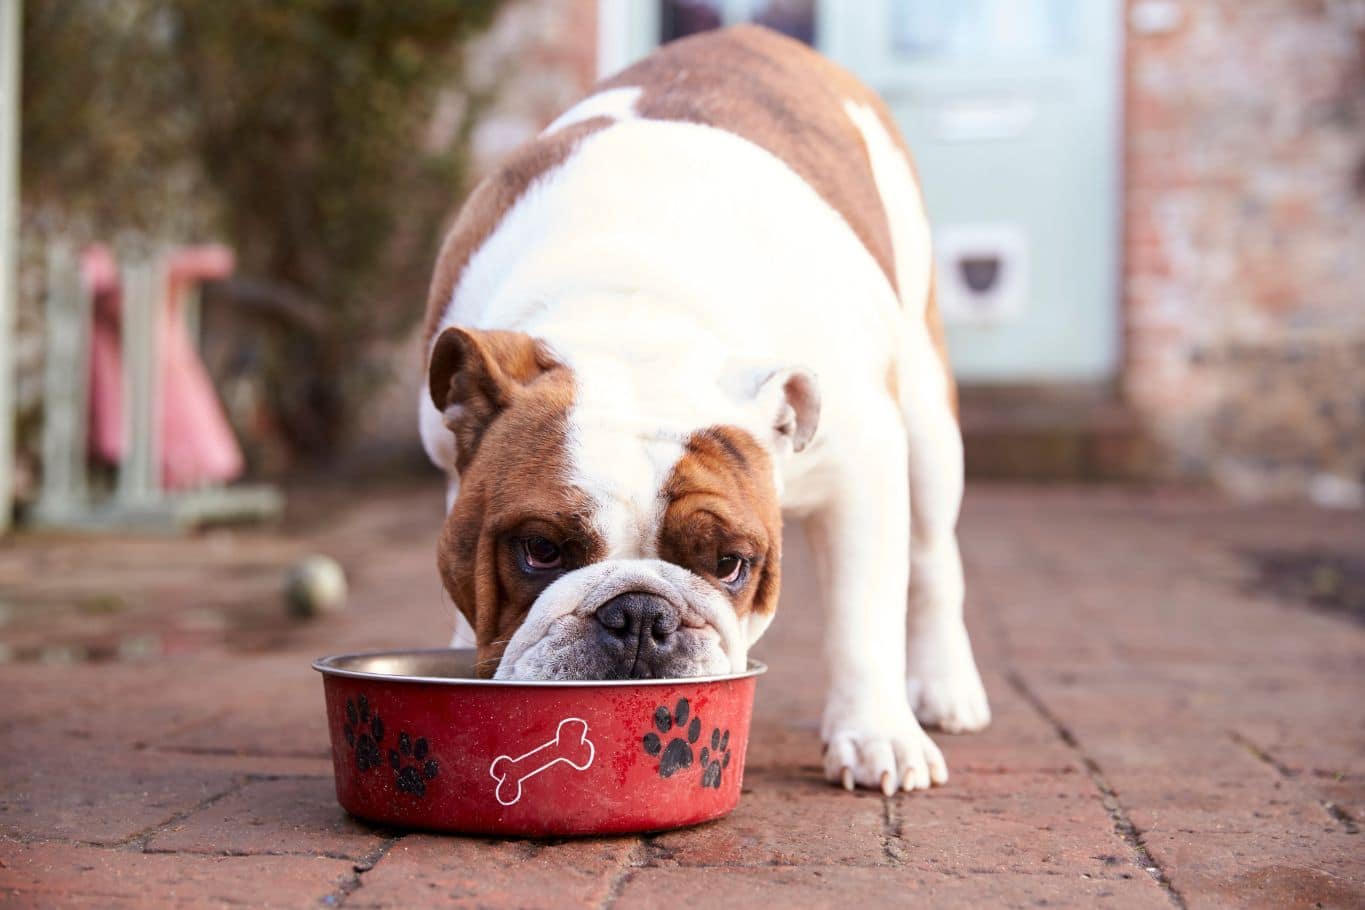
(99, 271)
(196, 442)
(418, 743)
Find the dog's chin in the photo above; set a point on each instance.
(572, 653)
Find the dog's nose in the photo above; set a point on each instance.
(637, 632)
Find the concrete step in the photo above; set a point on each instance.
(1060, 433)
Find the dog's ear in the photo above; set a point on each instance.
(474, 375)
(789, 401)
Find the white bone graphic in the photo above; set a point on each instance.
(570, 745)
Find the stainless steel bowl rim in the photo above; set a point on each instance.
(330, 666)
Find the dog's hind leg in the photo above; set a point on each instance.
(860, 540)
(942, 680)
(944, 686)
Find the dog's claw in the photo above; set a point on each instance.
(888, 784)
(846, 778)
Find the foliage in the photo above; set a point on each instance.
(104, 121)
(301, 131)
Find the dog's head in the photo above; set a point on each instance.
(585, 545)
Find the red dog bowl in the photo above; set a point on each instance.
(419, 742)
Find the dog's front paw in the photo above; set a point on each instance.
(944, 686)
(881, 750)
(954, 702)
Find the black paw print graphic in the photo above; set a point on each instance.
(364, 733)
(411, 767)
(677, 754)
(715, 759)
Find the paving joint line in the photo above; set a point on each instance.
(641, 856)
(1338, 814)
(920, 867)
(142, 839)
(215, 751)
(1123, 825)
(1344, 818)
(891, 827)
(1262, 755)
(228, 852)
(261, 777)
(355, 882)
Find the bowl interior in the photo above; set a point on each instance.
(447, 663)
(455, 666)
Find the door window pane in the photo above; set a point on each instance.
(793, 18)
(980, 31)
(679, 18)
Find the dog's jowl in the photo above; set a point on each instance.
(699, 303)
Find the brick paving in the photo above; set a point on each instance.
(1171, 729)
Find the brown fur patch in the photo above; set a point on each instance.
(721, 500)
(483, 211)
(483, 372)
(514, 486)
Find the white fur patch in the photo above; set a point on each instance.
(614, 103)
(437, 440)
(904, 208)
(463, 636)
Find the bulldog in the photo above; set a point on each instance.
(700, 302)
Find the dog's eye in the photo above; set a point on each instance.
(541, 553)
(729, 568)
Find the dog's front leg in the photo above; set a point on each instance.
(861, 538)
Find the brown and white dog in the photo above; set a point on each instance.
(701, 300)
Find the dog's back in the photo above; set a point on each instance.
(811, 117)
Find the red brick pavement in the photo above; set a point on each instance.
(1168, 733)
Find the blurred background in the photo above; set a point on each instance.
(1149, 220)
(1148, 213)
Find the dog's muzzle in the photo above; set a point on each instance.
(627, 619)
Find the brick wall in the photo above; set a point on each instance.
(539, 58)
(1245, 240)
